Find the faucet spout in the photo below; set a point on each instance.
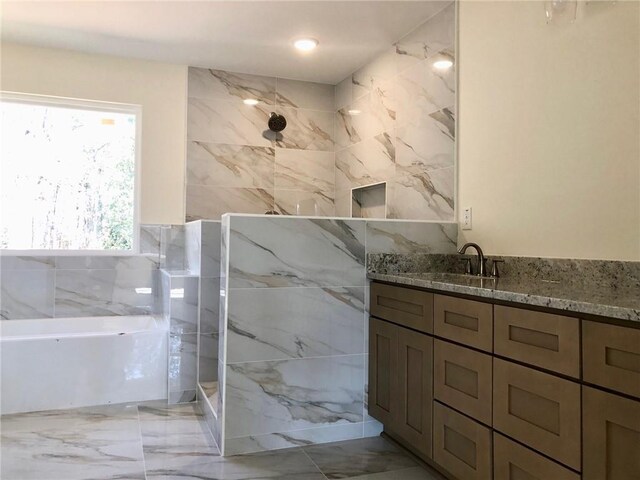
(481, 259)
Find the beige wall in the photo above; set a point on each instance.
(549, 129)
(159, 88)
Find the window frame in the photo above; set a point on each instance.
(93, 105)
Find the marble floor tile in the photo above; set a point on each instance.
(84, 444)
(415, 473)
(359, 457)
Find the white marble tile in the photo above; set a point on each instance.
(433, 36)
(289, 395)
(379, 70)
(86, 444)
(281, 252)
(106, 262)
(208, 358)
(150, 239)
(228, 122)
(27, 262)
(413, 473)
(370, 202)
(343, 203)
(229, 165)
(426, 196)
(182, 363)
(370, 161)
(210, 203)
(27, 293)
(221, 85)
(210, 254)
(172, 243)
(281, 323)
(427, 145)
(305, 170)
(192, 247)
(183, 294)
(423, 89)
(344, 93)
(82, 293)
(297, 94)
(302, 202)
(209, 304)
(306, 130)
(297, 438)
(411, 237)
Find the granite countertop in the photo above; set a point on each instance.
(606, 301)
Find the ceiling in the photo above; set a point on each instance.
(242, 36)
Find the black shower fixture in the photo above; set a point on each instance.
(277, 123)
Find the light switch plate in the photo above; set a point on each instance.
(466, 219)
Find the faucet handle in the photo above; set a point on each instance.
(494, 268)
(468, 270)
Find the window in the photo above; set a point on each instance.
(67, 174)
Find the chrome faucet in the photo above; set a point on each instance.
(482, 267)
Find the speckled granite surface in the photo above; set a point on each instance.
(609, 289)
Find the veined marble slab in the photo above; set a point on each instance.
(411, 237)
(306, 130)
(305, 170)
(297, 94)
(425, 196)
(371, 161)
(221, 85)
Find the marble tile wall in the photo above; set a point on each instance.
(293, 356)
(395, 123)
(233, 167)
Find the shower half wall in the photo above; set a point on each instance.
(293, 325)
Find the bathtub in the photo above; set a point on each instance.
(57, 363)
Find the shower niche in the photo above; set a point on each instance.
(369, 201)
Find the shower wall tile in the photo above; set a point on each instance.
(433, 36)
(297, 394)
(305, 170)
(80, 293)
(150, 239)
(372, 75)
(192, 247)
(428, 196)
(24, 262)
(228, 122)
(172, 245)
(210, 254)
(411, 237)
(343, 93)
(208, 358)
(182, 363)
(105, 262)
(282, 323)
(27, 293)
(209, 304)
(296, 94)
(343, 203)
(296, 202)
(206, 202)
(370, 161)
(276, 252)
(229, 165)
(180, 298)
(306, 130)
(221, 85)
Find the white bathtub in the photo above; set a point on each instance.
(74, 362)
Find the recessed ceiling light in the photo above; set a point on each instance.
(354, 112)
(250, 101)
(443, 64)
(305, 44)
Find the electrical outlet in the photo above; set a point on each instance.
(466, 219)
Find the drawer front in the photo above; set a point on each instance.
(411, 308)
(611, 357)
(541, 339)
(460, 445)
(383, 370)
(462, 379)
(464, 321)
(416, 389)
(611, 444)
(512, 461)
(538, 409)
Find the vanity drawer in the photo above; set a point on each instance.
(611, 357)
(462, 379)
(460, 445)
(538, 409)
(611, 448)
(464, 321)
(404, 306)
(541, 339)
(512, 461)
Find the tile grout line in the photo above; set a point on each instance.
(314, 463)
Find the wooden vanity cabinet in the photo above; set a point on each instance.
(400, 383)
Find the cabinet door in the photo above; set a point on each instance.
(611, 356)
(464, 321)
(383, 371)
(512, 461)
(543, 339)
(460, 445)
(611, 436)
(462, 379)
(539, 410)
(404, 306)
(415, 364)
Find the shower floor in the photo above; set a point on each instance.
(211, 391)
(156, 441)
